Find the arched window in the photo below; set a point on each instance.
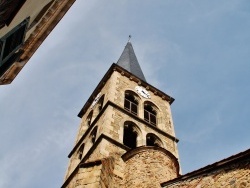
(150, 114)
(153, 140)
(131, 103)
(130, 135)
(80, 152)
(89, 118)
(93, 135)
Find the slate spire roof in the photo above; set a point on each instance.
(129, 62)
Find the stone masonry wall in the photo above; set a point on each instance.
(98, 174)
(88, 177)
(232, 176)
(105, 149)
(148, 169)
(103, 125)
(106, 91)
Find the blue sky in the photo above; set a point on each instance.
(196, 51)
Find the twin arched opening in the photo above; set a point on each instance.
(131, 103)
(132, 133)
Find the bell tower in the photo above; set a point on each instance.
(126, 137)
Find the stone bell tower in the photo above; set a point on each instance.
(126, 137)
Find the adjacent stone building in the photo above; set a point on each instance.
(233, 172)
(126, 138)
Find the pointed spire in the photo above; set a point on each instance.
(129, 61)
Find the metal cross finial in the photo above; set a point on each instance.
(129, 37)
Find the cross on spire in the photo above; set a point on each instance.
(129, 37)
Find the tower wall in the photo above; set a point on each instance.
(108, 92)
(114, 91)
(132, 130)
(96, 174)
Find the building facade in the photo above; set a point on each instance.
(24, 25)
(232, 172)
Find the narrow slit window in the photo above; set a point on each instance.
(100, 103)
(89, 118)
(80, 152)
(93, 135)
